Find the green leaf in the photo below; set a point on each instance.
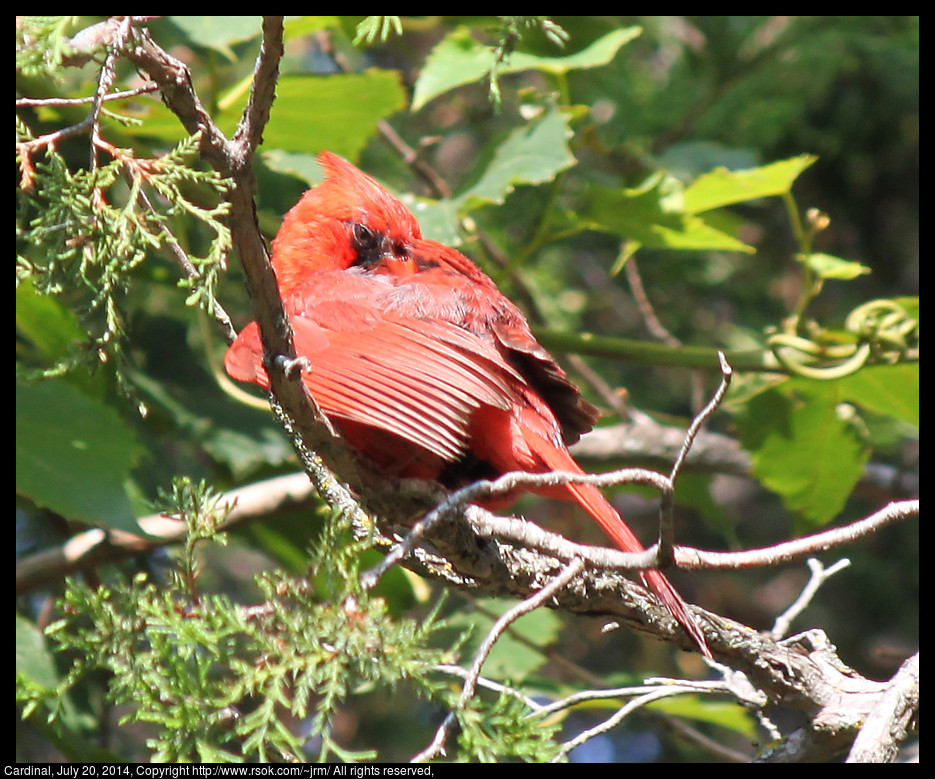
(694, 489)
(827, 266)
(723, 714)
(460, 60)
(654, 215)
(302, 166)
(301, 26)
(46, 323)
(518, 652)
(33, 659)
(532, 154)
(890, 390)
(337, 112)
(73, 454)
(803, 448)
(37, 682)
(218, 32)
(723, 187)
(439, 219)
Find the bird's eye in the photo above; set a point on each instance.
(368, 244)
(364, 237)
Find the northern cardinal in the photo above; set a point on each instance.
(417, 357)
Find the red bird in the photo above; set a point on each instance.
(419, 360)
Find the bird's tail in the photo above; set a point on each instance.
(593, 501)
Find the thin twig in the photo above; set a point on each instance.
(97, 547)
(711, 745)
(624, 711)
(819, 576)
(656, 327)
(652, 321)
(114, 34)
(697, 559)
(39, 102)
(733, 684)
(583, 696)
(666, 512)
(92, 548)
(115, 49)
(704, 414)
(489, 684)
(505, 484)
(437, 746)
(188, 268)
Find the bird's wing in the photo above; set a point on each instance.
(417, 379)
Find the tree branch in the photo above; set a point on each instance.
(891, 718)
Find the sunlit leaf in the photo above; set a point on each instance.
(459, 59)
(828, 266)
(723, 187)
(804, 449)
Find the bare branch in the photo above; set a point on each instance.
(489, 684)
(437, 746)
(890, 720)
(696, 559)
(38, 102)
(97, 547)
(820, 574)
(622, 713)
(666, 520)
